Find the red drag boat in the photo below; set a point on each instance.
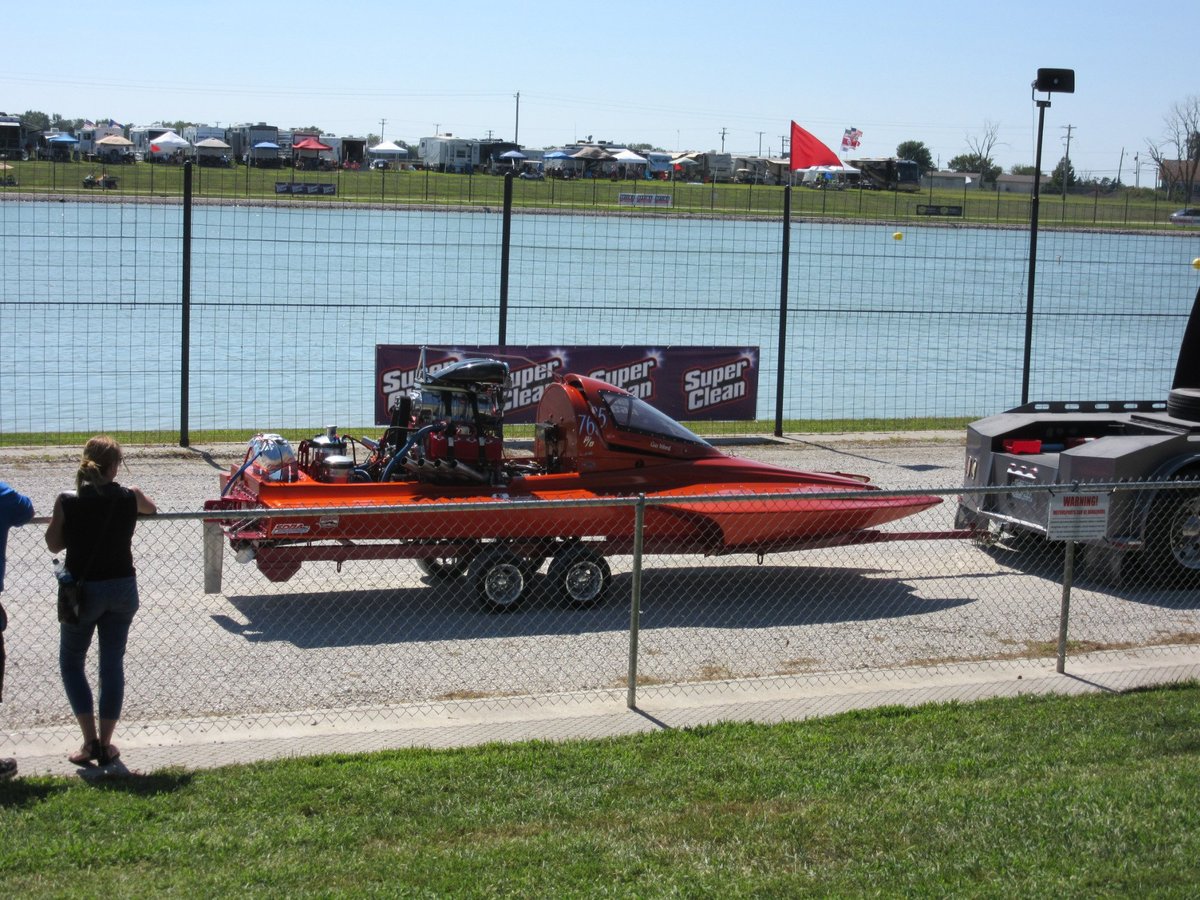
(594, 442)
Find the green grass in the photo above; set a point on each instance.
(705, 429)
(1031, 797)
(1138, 209)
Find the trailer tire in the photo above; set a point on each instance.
(1174, 539)
(580, 575)
(443, 568)
(498, 576)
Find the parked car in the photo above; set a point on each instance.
(1189, 216)
(380, 164)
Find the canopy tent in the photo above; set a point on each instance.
(591, 153)
(169, 140)
(512, 156)
(63, 139)
(307, 153)
(114, 140)
(840, 169)
(212, 152)
(387, 148)
(311, 143)
(557, 154)
(628, 156)
(265, 154)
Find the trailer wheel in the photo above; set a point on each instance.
(498, 576)
(443, 568)
(581, 575)
(1175, 538)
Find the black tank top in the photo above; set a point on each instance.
(98, 525)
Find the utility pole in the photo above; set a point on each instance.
(1137, 170)
(517, 124)
(724, 131)
(760, 134)
(1066, 160)
(1120, 166)
(382, 125)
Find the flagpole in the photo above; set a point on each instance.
(781, 356)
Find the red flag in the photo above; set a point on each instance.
(808, 151)
(154, 148)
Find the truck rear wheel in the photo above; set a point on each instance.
(1174, 532)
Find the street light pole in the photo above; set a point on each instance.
(1049, 81)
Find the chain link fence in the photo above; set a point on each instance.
(423, 607)
(268, 319)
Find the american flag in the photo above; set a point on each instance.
(851, 138)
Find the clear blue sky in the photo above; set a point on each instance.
(670, 74)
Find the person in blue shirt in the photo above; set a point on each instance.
(15, 510)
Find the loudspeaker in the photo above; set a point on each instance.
(1055, 81)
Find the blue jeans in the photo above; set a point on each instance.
(109, 610)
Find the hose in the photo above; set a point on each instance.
(408, 445)
(238, 474)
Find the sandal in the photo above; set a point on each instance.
(85, 754)
(109, 755)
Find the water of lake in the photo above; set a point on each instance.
(287, 305)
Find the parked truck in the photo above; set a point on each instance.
(1077, 443)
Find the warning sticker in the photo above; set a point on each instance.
(1078, 516)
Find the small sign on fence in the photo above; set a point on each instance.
(656, 200)
(305, 187)
(924, 209)
(1077, 516)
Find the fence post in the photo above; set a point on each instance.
(213, 539)
(185, 330)
(635, 603)
(1065, 611)
(783, 308)
(505, 249)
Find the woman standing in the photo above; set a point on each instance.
(94, 524)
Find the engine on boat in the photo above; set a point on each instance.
(447, 429)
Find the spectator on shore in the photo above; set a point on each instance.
(95, 524)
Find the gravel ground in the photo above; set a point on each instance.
(378, 633)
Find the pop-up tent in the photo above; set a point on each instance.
(167, 143)
(387, 150)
